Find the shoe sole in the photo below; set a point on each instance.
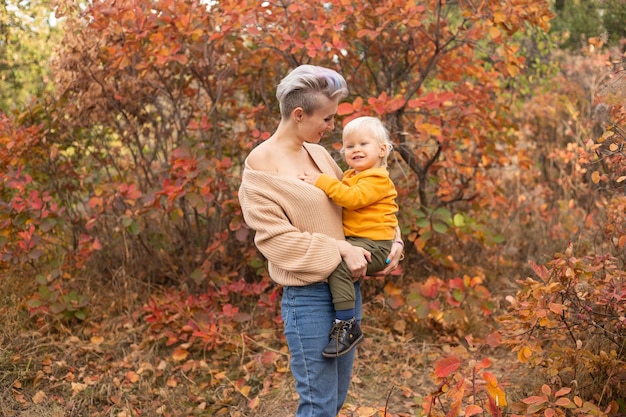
(337, 355)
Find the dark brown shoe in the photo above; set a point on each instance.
(344, 336)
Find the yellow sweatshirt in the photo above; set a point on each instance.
(368, 201)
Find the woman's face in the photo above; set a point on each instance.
(312, 127)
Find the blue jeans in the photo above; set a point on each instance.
(322, 383)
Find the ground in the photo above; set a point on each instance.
(116, 367)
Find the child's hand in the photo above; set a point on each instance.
(309, 178)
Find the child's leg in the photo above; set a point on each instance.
(346, 332)
(379, 250)
(342, 290)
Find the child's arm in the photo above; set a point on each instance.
(309, 177)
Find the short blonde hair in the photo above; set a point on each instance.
(374, 127)
(303, 86)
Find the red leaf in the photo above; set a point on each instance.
(540, 270)
(493, 340)
(444, 367)
(345, 109)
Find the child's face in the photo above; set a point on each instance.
(362, 151)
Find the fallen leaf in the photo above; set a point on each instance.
(39, 397)
(180, 354)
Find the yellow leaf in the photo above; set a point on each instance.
(245, 390)
(524, 354)
(607, 134)
(494, 32)
(499, 17)
(613, 147)
(497, 394)
(97, 340)
(429, 128)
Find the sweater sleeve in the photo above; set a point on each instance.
(309, 256)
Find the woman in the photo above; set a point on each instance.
(299, 230)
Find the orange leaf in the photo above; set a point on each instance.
(557, 308)
(39, 397)
(132, 376)
(357, 104)
(595, 177)
(562, 392)
(180, 354)
(472, 409)
(535, 399)
(490, 378)
(563, 402)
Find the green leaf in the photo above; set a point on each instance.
(443, 214)
(80, 314)
(197, 275)
(134, 228)
(440, 227)
(422, 223)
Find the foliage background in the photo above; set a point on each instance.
(131, 285)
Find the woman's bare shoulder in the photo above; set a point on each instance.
(260, 158)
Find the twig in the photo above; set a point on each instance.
(387, 401)
(265, 346)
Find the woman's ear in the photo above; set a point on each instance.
(297, 114)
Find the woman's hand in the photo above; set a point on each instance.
(394, 258)
(356, 258)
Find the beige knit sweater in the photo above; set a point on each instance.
(296, 224)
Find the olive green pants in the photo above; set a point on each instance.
(340, 281)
